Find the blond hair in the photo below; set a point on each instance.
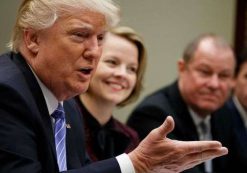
(132, 36)
(41, 14)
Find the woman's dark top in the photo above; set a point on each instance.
(112, 139)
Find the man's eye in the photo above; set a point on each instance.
(81, 34)
(245, 76)
(224, 76)
(101, 37)
(205, 72)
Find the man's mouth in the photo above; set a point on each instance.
(86, 70)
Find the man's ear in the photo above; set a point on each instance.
(181, 66)
(31, 40)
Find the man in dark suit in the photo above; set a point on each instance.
(237, 106)
(203, 85)
(55, 49)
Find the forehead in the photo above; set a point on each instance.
(83, 18)
(217, 64)
(208, 52)
(119, 47)
(117, 42)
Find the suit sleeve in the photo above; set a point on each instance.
(105, 166)
(18, 149)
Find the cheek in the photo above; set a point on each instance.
(93, 82)
(226, 88)
(132, 82)
(241, 89)
(195, 87)
(97, 79)
(193, 82)
(101, 73)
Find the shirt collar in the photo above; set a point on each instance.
(50, 99)
(240, 109)
(197, 119)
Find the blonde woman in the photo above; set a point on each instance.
(116, 82)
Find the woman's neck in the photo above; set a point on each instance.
(99, 109)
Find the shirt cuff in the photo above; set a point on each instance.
(125, 164)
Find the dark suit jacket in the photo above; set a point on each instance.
(152, 112)
(240, 131)
(26, 135)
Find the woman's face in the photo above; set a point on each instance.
(116, 73)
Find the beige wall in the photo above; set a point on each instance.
(8, 10)
(166, 25)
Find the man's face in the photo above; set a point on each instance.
(240, 88)
(205, 81)
(68, 53)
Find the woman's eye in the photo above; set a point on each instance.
(133, 69)
(112, 62)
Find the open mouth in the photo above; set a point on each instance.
(86, 70)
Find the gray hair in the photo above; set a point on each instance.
(192, 47)
(41, 14)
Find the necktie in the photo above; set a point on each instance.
(60, 137)
(204, 130)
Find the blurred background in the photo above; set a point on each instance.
(166, 26)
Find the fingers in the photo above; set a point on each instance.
(194, 159)
(166, 127)
(211, 154)
(200, 146)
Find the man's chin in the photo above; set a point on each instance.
(82, 88)
(210, 108)
(205, 109)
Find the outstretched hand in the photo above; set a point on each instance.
(157, 153)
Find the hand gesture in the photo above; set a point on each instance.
(159, 154)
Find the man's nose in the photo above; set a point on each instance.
(214, 81)
(92, 49)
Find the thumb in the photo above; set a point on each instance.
(166, 127)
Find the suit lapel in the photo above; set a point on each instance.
(38, 96)
(74, 136)
(184, 121)
(239, 127)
